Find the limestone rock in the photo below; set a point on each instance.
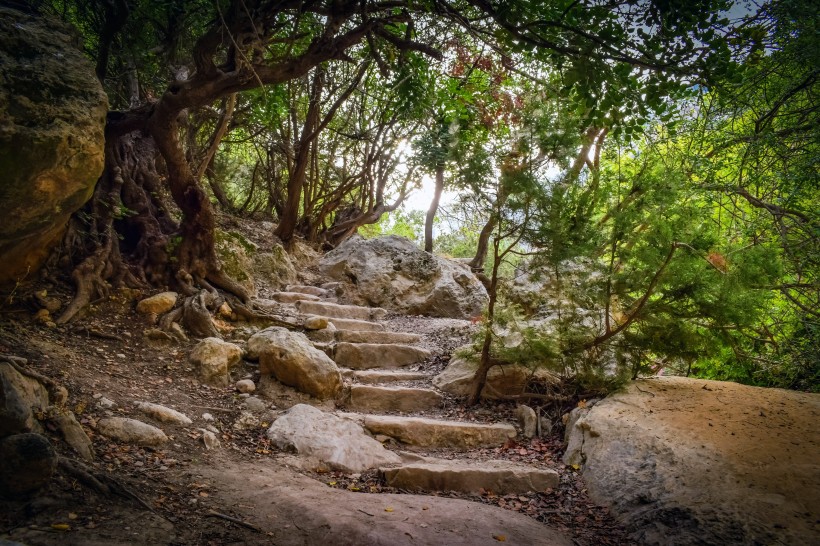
(392, 272)
(334, 310)
(163, 414)
(383, 376)
(210, 440)
(386, 399)
(293, 361)
(213, 358)
(683, 458)
(305, 289)
(245, 386)
(275, 266)
(340, 443)
(353, 336)
(358, 325)
(157, 304)
(74, 435)
(29, 462)
(246, 421)
(316, 323)
(20, 397)
(254, 404)
(131, 431)
(292, 297)
(528, 420)
(500, 477)
(235, 254)
(51, 137)
(504, 380)
(362, 356)
(438, 433)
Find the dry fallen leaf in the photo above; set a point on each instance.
(500, 538)
(61, 526)
(388, 509)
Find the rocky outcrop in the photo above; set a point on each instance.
(392, 272)
(275, 267)
(52, 116)
(688, 461)
(340, 443)
(236, 253)
(292, 360)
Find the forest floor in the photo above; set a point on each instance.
(184, 494)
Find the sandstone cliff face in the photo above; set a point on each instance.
(52, 119)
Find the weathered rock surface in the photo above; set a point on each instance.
(359, 325)
(236, 256)
(688, 461)
(383, 376)
(29, 462)
(335, 516)
(316, 323)
(163, 414)
(131, 431)
(384, 399)
(245, 386)
(306, 289)
(20, 397)
(354, 336)
(293, 361)
(437, 433)
(336, 311)
(501, 381)
(528, 420)
(340, 443)
(362, 356)
(293, 297)
(213, 360)
(275, 266)
(158, 303)
(51, 137)
(500, 477)
(392, 272)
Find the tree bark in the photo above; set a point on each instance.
(433, 210)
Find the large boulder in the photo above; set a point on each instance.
(52, 117)
(21, 398)
(337, 442)
(28, 464)
(294, 361)
(506, 380)
(394, 273)
(276, 267)
(685, 461)
(213, 360)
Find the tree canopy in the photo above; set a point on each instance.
(658, 157)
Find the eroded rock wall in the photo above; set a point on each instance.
(52, 121)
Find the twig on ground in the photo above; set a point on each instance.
(213, 514)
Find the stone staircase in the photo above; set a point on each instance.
(391, 395)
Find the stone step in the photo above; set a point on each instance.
(354, 336)
(306, 289)
(371, 377)
(335, 310)
(499, 477)
(362, 356)
(422, 432)
(357, 325)
(292, 297)
(385, 399)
